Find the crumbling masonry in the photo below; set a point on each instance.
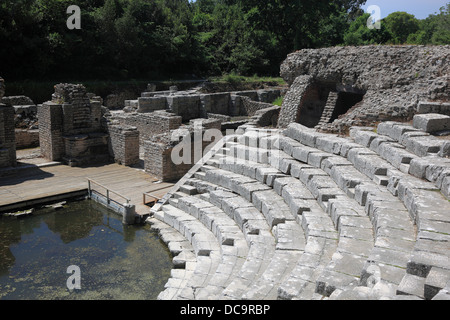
(7, 135)
(336, 88)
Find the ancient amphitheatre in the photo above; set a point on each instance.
(341, 193)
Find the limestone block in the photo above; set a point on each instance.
(445, 149)
(401, 129)
(445, 187)
(422, 145)
(363, 137)
(431, 122)
(412, 285)
(315, 159)
(294, 130)
(385, 128)
(302, 153)
(433, 107)
(395, 154)
(330, 143)
(151, 104)
(421, 262)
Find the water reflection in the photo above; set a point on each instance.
(116, 261)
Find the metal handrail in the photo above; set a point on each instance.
(90, 181)
(151, 195)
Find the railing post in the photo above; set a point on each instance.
(107, 196)
(89, 189)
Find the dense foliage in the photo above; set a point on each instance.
(130, 39)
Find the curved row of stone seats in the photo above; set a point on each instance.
(261, 243)
(234, 253)
(205, 246)
(257, 198)
(333, 170)
(314, 160)
(433, 161)
(254, 228)
(428, 268)
(318, 250)
(184, 259)
(321, 242)
(234, 247)
(433, 167)
(417, 195)
(322, 189)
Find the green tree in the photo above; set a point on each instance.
(359, 34)
(401, 25)
(23, 40)
(441, 34)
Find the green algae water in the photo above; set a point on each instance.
(115, 261)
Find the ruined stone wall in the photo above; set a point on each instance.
(159, 150)
(393, 80)
(251, 107)
(124, 144)
(217, 103)
(191, 105)
(151, 104)
(149, 124)
(186, 106)
(27, 138)
(7, 136)
(51, 131)
(294, 100)
(267, 117)
(159, 162)
(71, 127)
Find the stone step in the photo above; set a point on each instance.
(239, 208)
(413, 193)
(301, 282)
(280, 267)
(342, 175)
(203, 240)
(338, 167)
(234, 244)
(267, 286)
(317, 182)
(184, 259)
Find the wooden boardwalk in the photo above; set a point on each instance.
(30, 185)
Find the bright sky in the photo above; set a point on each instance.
(419, 8)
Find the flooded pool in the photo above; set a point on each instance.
(114, 261)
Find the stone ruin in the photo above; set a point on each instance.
(333, 89)
(76, 129)
(7, 135)
(293, 213)
(342, 193)
(72, 129)
(25, 121)
(166, 118)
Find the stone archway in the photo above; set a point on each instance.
(314, 103)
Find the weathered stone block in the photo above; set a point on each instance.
(431, 122)
(151, 104)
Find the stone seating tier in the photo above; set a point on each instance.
(298, 214)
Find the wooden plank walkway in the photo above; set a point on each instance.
(29, 185)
